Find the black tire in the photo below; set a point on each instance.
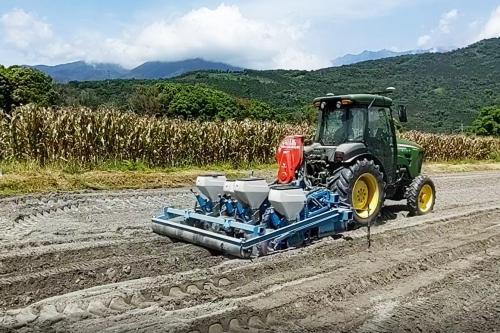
(415, 201)
(343, 182)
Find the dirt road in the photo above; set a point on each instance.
(89, 263)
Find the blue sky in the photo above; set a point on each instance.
(259, 34)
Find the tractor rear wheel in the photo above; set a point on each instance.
(421, 195)
(361, 185)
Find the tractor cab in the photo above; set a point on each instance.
(355, 152)
(357, 124)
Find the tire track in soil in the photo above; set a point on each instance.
(213, 281)
(234, 289)
(88, 271)
(36, 210)
(280, 306)
(50, 256)
(465, 298)
(30, 208)
(32, 212)
(307, 296)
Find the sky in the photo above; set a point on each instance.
(258, 34)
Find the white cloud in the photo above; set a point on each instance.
(23, 29)
(446, 20)
(492, 27)
(473, 24)
(222, 34)
(33, 37)
(423, 40)
(441, 33)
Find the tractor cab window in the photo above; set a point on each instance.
(379, 128)
(342, 125)
(380, 138)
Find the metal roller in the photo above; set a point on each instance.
(204, 238)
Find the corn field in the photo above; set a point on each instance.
(440, 147)
(86, 137)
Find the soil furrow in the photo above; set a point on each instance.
(471, 292)
(28, 288)
(285, 302)
(89, 262)
(239, 281)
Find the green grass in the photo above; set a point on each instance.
(119, 166)
(495, 156)
(29, 177)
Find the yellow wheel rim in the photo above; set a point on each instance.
(425, 198)
(365, 195)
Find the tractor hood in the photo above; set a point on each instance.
(402, 143)
(410, 157)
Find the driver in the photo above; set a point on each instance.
(341, 134)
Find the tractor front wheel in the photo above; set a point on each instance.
(361, 185)
(421, 195)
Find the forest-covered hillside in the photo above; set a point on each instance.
(444, 91)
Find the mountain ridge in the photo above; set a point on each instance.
(89, 71)
(84, 71)
(368, 55)
(443, 91)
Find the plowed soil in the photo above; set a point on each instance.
(89, 262)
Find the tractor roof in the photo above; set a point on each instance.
(367, 99)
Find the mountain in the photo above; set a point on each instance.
(159, 69)
(350, 59)
(82, 71)
(442, 90)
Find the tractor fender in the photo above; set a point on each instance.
(355, 151)
(351, 151)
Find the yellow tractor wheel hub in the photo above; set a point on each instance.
(425, 198)
(365, 195)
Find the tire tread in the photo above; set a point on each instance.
(342, 178)
(413, 190)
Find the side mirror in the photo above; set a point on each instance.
(402, 114)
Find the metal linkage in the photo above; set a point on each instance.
(179, 224)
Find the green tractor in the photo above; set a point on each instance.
(356, 153)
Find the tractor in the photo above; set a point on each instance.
(356, 153)
(324, 186)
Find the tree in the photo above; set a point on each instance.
(145, 100)
(29, 85)
(5, 91)
(260, 110)
(488, 121)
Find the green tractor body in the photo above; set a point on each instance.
(410, 157)
(356, 152)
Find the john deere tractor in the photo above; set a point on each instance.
(322, 188)
(357, 154)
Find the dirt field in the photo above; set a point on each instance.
(89, 263)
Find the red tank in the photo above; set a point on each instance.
(289, 157)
